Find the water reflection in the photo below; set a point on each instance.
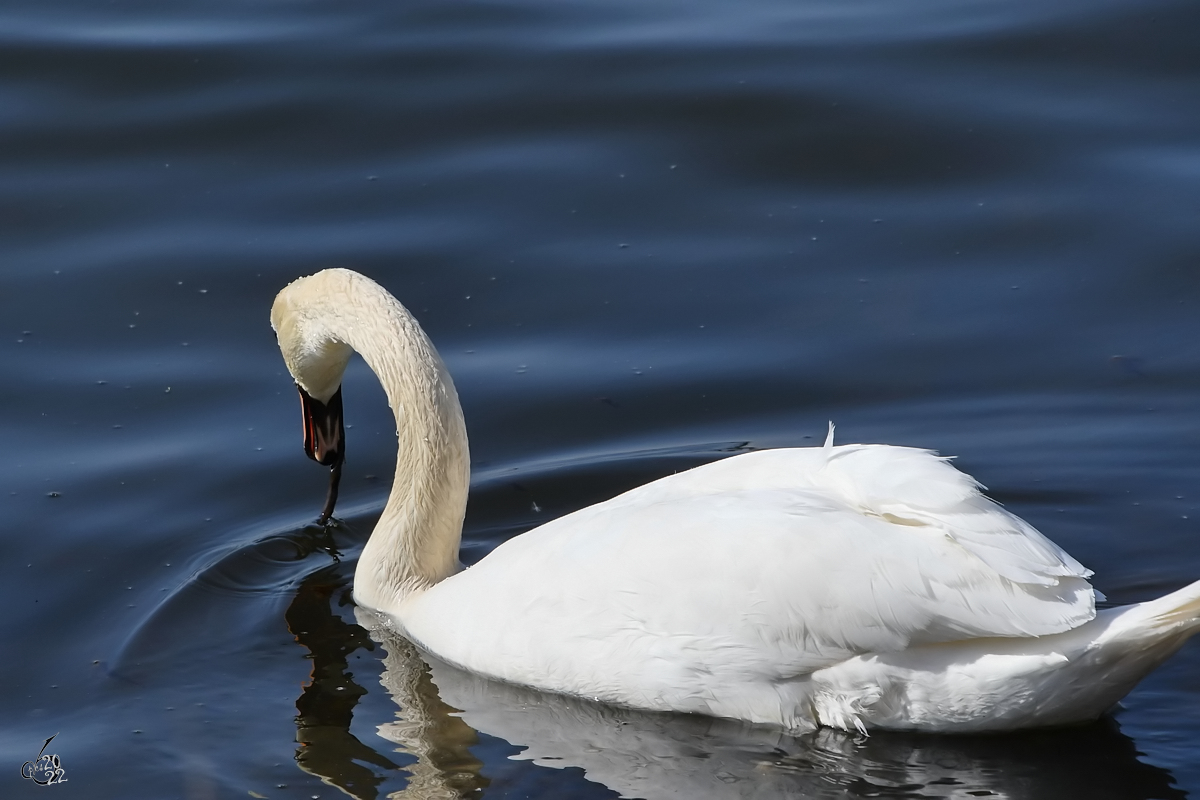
(670, 756)
(434, 743)
(327, 749)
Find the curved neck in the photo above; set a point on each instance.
(319, 319)
(415, 543)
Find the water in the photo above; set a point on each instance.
(643, 235)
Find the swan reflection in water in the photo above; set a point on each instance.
(649, 755)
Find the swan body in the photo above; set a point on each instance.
(855, 586)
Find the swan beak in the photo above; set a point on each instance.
(324, 441)
(324, 435)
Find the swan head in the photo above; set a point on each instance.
(317, 361)
(314, 356)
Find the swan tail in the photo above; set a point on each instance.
(1178, 611)
(1171, 618)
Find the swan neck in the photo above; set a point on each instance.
(319, 320)
(415, 543)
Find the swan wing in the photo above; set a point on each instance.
(917, 487)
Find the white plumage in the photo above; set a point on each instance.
(855, 586)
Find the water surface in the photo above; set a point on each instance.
(643, 235)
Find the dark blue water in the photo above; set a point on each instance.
(643, 234)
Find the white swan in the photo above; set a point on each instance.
(855, 586)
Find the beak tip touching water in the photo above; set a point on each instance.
(324, 441)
